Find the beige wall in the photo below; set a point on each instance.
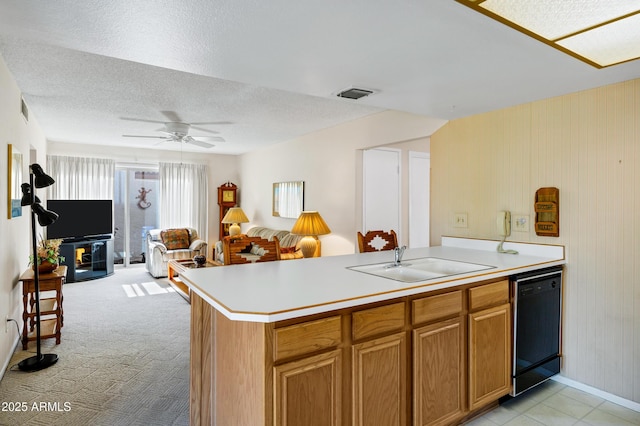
(329, 163)
(222, 168)
(15, 234)
(588, 145)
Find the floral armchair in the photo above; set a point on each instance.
(164, 245)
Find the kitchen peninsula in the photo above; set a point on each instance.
(313, 342)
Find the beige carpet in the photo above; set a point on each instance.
(123, 358)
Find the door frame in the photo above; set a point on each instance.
(412, 186)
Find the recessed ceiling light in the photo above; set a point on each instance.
(599, 32)
(354, 93)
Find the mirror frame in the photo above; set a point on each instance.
(14, 190)
(282, 203)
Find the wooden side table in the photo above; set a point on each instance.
(51, 306)
(179, 266)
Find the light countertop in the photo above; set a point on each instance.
(274, 291)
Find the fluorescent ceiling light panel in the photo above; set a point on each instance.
(599, 32)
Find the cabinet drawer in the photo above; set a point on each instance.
(307, 337)
(435, 307)
(489, 295)
(377, 321)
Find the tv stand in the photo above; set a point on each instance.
(87, 259)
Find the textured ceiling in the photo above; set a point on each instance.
(270, 70)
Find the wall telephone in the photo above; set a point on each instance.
(503, 223)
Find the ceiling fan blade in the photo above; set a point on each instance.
(141, 119)
(202, 129)
(208, 138)
(172, 116)
(192, 141)
(140, 136)
(212, 123)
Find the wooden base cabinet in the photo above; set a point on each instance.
(438, 373)
(421, 360)
(489, 343)
(380, 381)
(489, 355)
(309, 391)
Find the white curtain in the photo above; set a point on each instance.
(80, 178)
(184, 196)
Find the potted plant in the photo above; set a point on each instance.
(48, 254)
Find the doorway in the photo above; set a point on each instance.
(381, 190)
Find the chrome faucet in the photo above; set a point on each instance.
(397, 255)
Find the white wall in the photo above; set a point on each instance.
(222, 168)
(15, 234)
(586, 144)
(329, 162)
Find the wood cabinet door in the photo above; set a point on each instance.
(308, 391)
(379, 382)
(438, 372)
(489, 355)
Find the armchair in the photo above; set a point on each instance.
(164, 245)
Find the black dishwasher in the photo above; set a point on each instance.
(537, 323)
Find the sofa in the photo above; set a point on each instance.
(289, 243)
(164, 245)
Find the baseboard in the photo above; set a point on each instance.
(5, 364)
(632, 405)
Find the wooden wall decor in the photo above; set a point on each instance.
(547, 208)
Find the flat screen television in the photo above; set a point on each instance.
(79, 219)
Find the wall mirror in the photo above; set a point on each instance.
(288, 199)
(14, 191)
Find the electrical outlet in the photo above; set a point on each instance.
(460, 220)
(520, 222)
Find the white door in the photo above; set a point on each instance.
(419, 188)
(381, 190)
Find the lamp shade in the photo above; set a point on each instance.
(235, 215)
(27, 196)
(45, 217)
(310, 223)
(42, 180)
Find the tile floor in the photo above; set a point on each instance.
(555, 404)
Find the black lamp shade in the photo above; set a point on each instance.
(45, 217)
(42, 180)
(26, 196)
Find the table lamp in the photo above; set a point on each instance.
(310, 224)
(235, 215)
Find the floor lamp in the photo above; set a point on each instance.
(37, 179)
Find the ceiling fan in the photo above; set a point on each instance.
(176, 130)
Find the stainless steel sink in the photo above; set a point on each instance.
(421, 269)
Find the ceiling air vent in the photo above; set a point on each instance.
(354, 93)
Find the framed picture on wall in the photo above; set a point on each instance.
(14, 191)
